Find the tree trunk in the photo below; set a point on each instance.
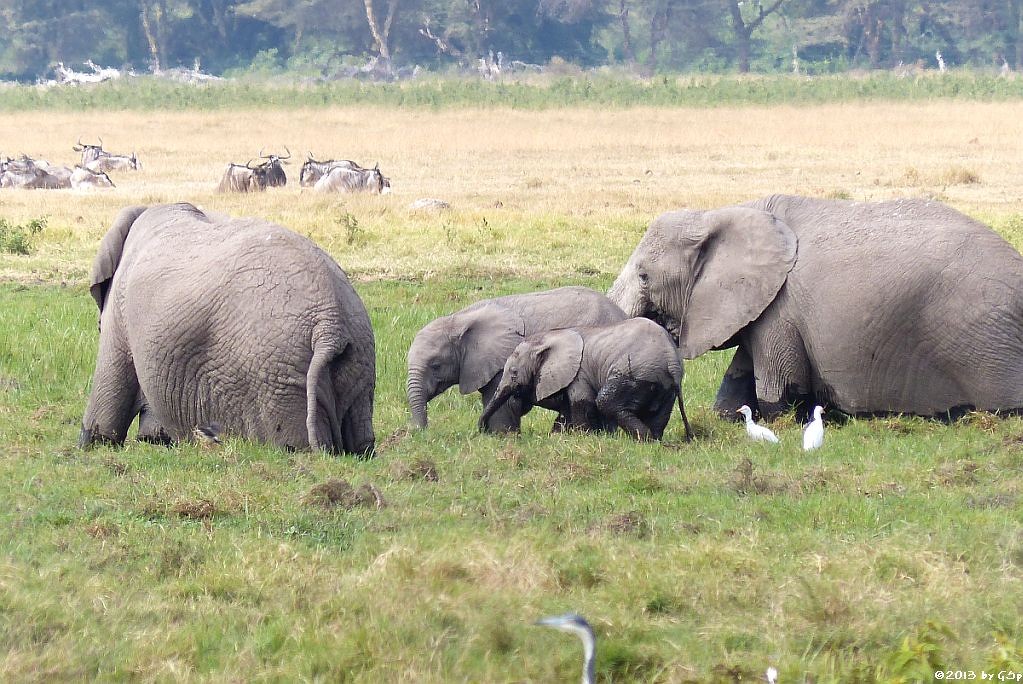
(742, 40)
(150, 26)
(658, 29)
(623, 17)
(381, 34)
(1017, 34)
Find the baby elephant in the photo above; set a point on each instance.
(626, 375)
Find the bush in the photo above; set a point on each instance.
(19, 239)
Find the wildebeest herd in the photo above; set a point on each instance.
(869, 308)
(342, 175)
(38, 174)
(333, 175)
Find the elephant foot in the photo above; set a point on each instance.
(159, 437)
(91, 437)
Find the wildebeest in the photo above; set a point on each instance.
(341, 179)
(275, 176)
(31, 177)
(244, 178)
(313, 170)
(95, 158)
(115, 162)
(89, 152)
(84, 177)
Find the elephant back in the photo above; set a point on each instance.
(563, 307)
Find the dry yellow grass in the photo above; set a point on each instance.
(533, 192)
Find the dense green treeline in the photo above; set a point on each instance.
(339, 37)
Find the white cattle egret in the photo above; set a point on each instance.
(576, 624)
(758, 433)
(813, 435)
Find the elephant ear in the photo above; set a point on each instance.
(561, 355)
(743, 261)
(488, 339)
(109, 254)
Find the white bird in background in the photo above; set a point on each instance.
(758, 433)
(813, 435)
(772, 675)
(576, 624)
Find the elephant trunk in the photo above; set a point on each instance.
(417, 399)
(504, 393)
(625, 292)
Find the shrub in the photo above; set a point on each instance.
(20, 239)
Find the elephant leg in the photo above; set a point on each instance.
(150, 428)
(583, 415)
(613, 406)
(113, 401)
(357, 426)
(508, 418)
(781, 370)
(658, 420)
(738, 387)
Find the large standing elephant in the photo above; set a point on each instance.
(904, 306)
(206, 320)
(469, 347)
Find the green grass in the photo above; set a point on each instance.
(546, 92)
(895, 549)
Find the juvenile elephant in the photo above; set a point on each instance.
(628, 374)
(904, 306)
(469, 347)
(206, 320)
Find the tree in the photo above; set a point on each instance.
(745, 22)
(382, 32)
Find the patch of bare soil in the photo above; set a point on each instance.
(195, 509)
(394, 439)
(422, 469)
(340, 493)
(632, 523)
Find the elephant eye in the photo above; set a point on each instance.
(644, 277)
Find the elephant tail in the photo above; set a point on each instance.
(320, 400)
(685, 419)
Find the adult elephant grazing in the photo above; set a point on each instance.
(904, 306)
(207, 320)
(469, 347)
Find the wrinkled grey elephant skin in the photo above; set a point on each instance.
(469, 347)
(236, 323)
(904, 306)
(628, 375)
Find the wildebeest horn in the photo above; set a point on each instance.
(311, 158)
(249, 165)
(288, 151)
(376, 167)
(79, 146)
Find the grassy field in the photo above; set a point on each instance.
(558, 87)
(894, 550)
